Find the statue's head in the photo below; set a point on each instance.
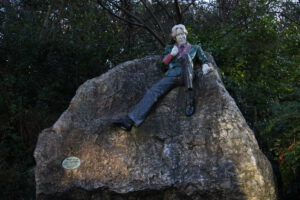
(179, 33)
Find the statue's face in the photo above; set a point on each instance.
(180, 37)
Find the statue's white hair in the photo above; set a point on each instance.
(178, 26)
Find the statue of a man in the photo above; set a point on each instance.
(179, 59)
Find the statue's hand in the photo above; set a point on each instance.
(174, 51)
(206, 68)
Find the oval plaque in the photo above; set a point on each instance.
(71, 163)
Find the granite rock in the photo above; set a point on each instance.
(212, 155)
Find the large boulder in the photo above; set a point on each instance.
(212, 155)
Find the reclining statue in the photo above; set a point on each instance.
(179, 59)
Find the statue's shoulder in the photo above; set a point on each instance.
(168, 49)
(196, 46)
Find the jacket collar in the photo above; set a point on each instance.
(184, 49)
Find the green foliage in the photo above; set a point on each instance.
(44, 58)
(259, 57)
(258, 53)
(283, 133)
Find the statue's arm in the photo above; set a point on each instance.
(201, 55)
(207, 66)
(167, 55)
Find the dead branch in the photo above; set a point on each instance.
(137, 20)
(154, 18)
(178, 12)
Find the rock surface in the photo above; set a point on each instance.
(212, 155)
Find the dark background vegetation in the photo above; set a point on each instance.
(48, 48)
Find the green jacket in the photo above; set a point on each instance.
(175, 68)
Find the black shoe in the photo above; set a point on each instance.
(124, 123)
(189, 110)
(190, 103)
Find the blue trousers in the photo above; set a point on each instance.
(143, 107)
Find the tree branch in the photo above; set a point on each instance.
(117, 16)
(154, 17)
(138, 22)
(178, 12)
(187, 7)
(164, 8)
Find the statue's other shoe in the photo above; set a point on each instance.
(190, 104)
(124, 123)
(189, 110)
